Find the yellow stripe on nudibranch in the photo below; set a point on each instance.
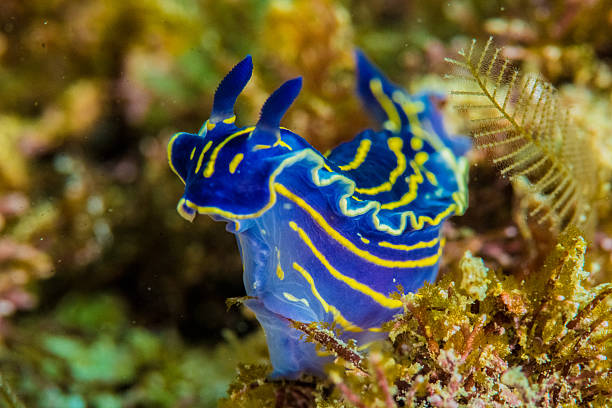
(279, 142)
(260, 147)
(279, 270)
(354, 284)
(313, 287)
(235, 162)
(338, 318)
(419, 245)
(350, 246)
(230, 120)
(348, 325)
(410, 108)
(228, 214)
(210, 166)
(182, 212)
(393, 123)
(192, 153)
(407, 217)
(413, 184)
(170, 144)
(418, 224)
(292, 298)
(395, 145)
(360, 156)
(431, 177)
(204, 150)
(421, 158)
(457, 165)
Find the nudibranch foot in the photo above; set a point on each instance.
(326, 239)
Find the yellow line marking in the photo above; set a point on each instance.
(260, 147)
(235, 162)
(351, 282)
(181, 211)
(412, 263)
(313, 287)
(421, 158)
(210, 166)
(413, 183)
(411, 108)
(419, 245)
(279, 142)
(347, 325)
(300, 155)
(292, 298)
(279, 271)
(431, 177)
(395, 145)
(416, 223)
(210, 126)
(192, 153)
(416, 143)
(230, 120)
(394, 123)
(360, 156)
(170, 143)
(202, 155)
(457, 165)
(364, 240)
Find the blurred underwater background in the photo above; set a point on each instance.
(109, 299)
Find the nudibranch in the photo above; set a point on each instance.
(325, 239)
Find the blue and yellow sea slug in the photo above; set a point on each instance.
(325, 239)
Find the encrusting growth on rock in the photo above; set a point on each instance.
(488, 341)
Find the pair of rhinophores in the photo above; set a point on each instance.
(325, 239)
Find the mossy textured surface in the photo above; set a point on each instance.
(544, 341)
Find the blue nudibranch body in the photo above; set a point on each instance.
(325, 239)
